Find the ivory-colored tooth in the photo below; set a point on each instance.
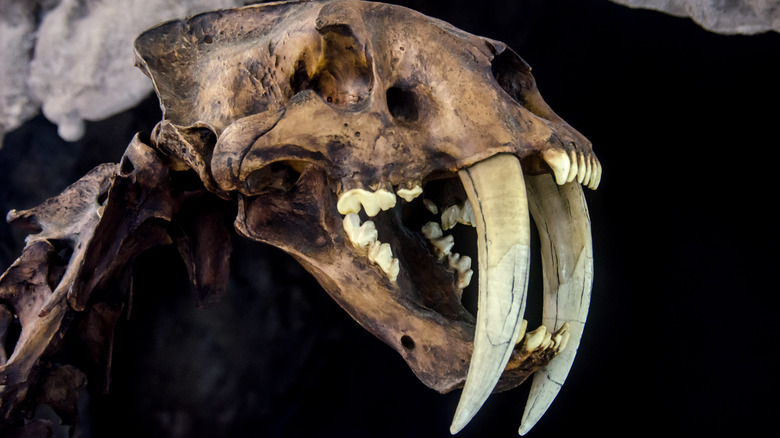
(564, 334)
(547, 341)
(410, 194)
(444, 245)
(464, 278)
(367, 234)
(574, 166)
(393, 270)
(535, 338)
(523, 328)
(432, 231)
(372, 202)
(352, 226)
(430, 206)
(561, 215)
(467, 214)
(559, 163)
(588, 170)
(497, 192)
(449, 217)
(381, 254)
(582, 168)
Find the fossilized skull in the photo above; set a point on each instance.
(355, 136)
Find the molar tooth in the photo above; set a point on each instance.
(444, 245)
(366, 235)
(432, 231)
(559, 163)
(430, 206)
(464, 278)
(381, 254)
(410, 194)
(372, 202)
(467, 214)
(449, 217)
(352, 226)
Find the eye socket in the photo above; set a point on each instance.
(513, 75)
(402, 104)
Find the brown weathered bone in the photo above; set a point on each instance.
(281, 110)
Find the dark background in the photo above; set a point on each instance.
(682, 334)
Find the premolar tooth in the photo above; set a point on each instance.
(457, 214)
(366, 235)
(464, 278)
(410, 194)
(381, 254)
(559, 163)
(430, 206)
(352, 226)
(352, 200)
(444, 245)
(432, 231)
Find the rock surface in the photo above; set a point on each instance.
(721, 16)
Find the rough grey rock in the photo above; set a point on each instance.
(721, 16)
(77, 64)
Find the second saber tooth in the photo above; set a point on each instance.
(496, 190)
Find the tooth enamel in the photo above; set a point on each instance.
(443, 246)
(410, 194)
(366, 235)
(559, 163)
(448, 217)
(582, 169)
(464, 278)
(457, 214)
(372, 202)
(523, 328)
(431, 206)
(352, 226)
(432, 231)
(496, 190)
(574, 166)
(561, 215)
(381, 254)
(534, 339)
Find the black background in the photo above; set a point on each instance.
(682, 334)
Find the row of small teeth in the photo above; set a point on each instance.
(542, 339)
(443, 246)
(567, 167)
(365, 237)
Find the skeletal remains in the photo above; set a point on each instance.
(353, 136)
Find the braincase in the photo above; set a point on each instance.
(219, 66)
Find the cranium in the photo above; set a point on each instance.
(354, 136)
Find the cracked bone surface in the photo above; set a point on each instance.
(304, 117)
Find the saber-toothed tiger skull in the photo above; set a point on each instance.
(354, 136)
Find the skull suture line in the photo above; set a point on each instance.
(316, 117)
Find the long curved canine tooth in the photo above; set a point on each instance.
(496, 190)
(561, 215)
(559, 163)
(372, 202)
